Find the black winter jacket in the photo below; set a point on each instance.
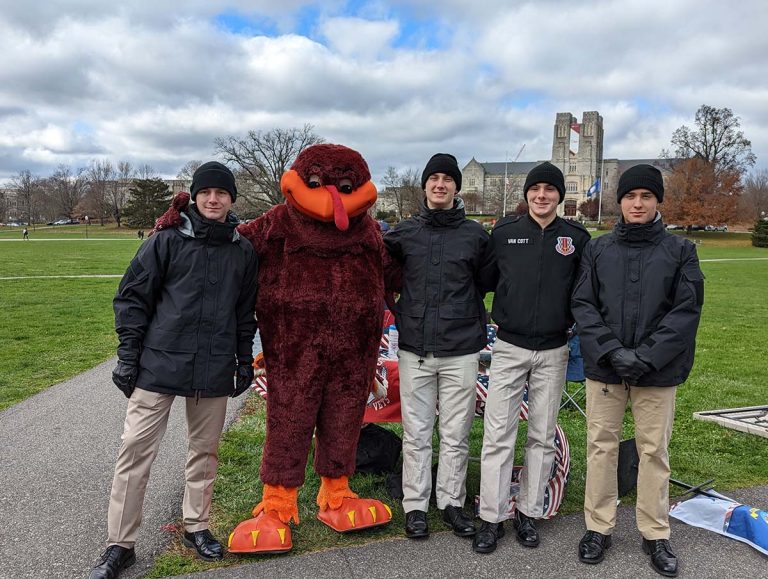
(441, 308)
(639, 287)
(184, 310)
(536, 271)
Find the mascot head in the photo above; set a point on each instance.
(329, 183)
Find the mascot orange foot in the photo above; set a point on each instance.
(343, 511)
(268, 532)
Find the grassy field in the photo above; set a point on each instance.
(53, 328)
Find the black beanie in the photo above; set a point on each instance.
(213, 174)
(545, 173)
(442, 163)
(641, 177)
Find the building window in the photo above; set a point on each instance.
(570, 208)
(572, 168)
(472, 182)
(571, 187)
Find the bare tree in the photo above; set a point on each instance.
(188, 169)
(263, 157)
(66, 188)
(414, 193)
(29, 194)
(120, 190)
(101, 176)
(716, 139)
(754, 200)
(145, 171)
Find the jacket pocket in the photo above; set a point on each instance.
(170, 341)
(460, 327)
(695, 279)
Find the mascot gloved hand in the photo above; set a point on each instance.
(322, 267)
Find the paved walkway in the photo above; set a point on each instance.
(57, 458)
(56, 462)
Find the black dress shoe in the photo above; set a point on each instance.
(663, 559)
(592, 547)
(486, 538)
(461, 524)
(416, 525)
(206, 546)
(112, 561)
(527, 535)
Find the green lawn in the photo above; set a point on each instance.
(92, 231)
(54, 328)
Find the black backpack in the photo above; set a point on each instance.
(378, 450)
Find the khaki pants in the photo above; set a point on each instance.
(145, 422)
(512, 367)
(450, 380)
(653, 411)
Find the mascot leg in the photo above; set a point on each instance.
(343, 511)
(268, 532)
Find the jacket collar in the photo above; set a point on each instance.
(193, 224)
(443, 217)
(652, 231)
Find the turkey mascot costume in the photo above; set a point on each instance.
(322, 267)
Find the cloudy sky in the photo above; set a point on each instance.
(157, 81)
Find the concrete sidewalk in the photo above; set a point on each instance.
(703, 555)
(57, 458)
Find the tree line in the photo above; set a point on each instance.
(707, 180)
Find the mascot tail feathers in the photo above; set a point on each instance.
(172, 217)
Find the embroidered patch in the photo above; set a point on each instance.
(564, 246)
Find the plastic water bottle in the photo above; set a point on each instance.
(393, 341)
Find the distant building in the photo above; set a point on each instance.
(577, 149)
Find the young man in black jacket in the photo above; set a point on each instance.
(184, 315)
(442, 324)
(537, 258)
(637, 305)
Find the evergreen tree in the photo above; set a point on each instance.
(148, 200)
(760, 233)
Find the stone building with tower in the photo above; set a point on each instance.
(577, 149)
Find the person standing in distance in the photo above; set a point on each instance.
(637, 305)
(184, 315)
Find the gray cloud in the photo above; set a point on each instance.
(145, 82)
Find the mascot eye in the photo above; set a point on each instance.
(345, 186)
(314, 181)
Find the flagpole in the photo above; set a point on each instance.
(602, 186)
(504, 208)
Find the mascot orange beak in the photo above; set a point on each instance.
(325, 203)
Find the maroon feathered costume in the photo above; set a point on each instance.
(322, 268)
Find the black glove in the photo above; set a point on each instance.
(124, 376)
(244, 379)
(627, 365)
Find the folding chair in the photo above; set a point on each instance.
(574, 373)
